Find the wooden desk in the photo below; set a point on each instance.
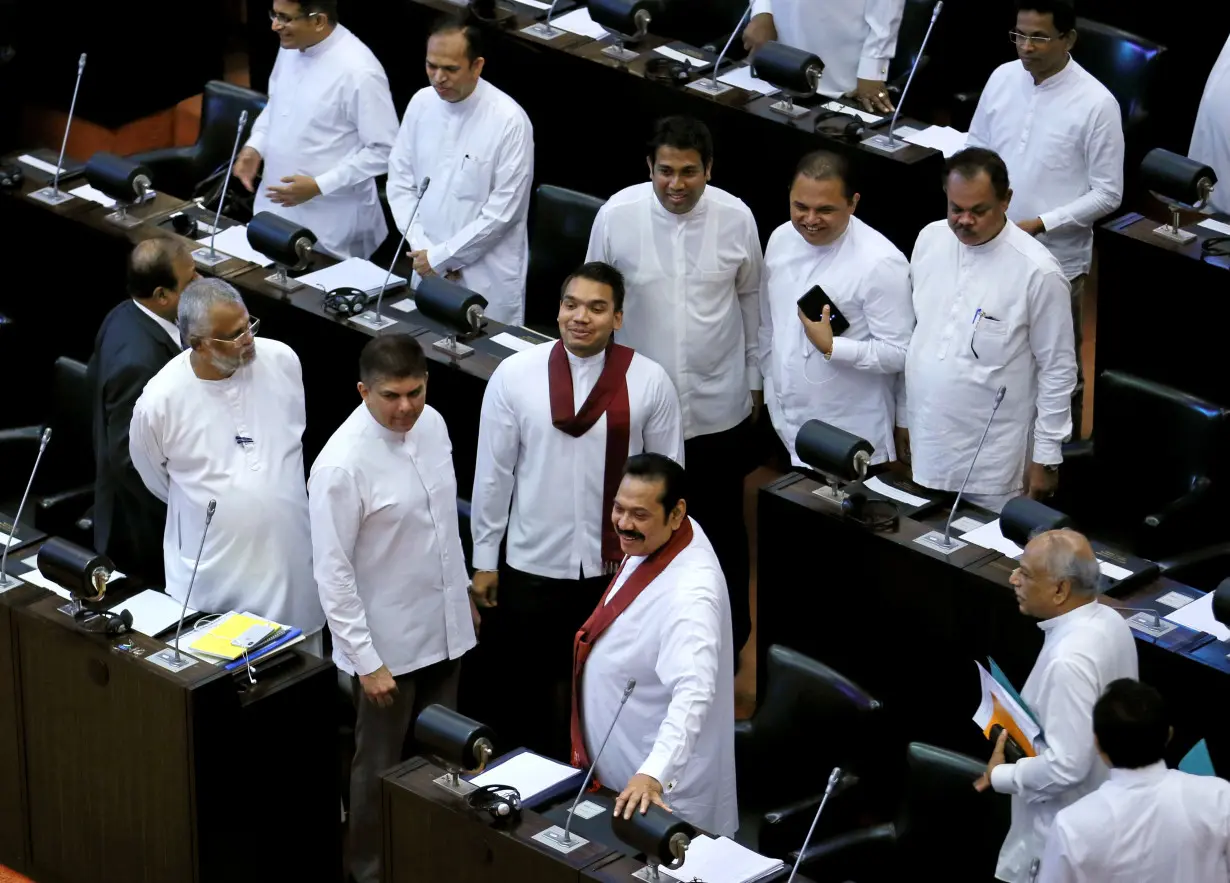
(14, 832)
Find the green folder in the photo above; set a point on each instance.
(998, 674)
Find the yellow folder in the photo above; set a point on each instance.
(217, 641)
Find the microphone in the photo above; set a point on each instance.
(889, 143)
(377, 322)
(837, 779)
(5, 581)
(209, 516)
(543, 29)
(562, 839)
(52, 195)
(209, 257)
(711, 85)
(999, 397)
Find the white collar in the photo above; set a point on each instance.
(166, 326)
(1072, 617)
(1136, 778)
(324, 45)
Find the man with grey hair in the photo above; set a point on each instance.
(224, 421)
(1086, 646)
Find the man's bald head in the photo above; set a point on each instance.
(1058, 572)
(158, 271)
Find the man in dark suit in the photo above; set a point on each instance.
(136, 339)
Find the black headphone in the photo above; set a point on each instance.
(501, 802)
(839, 125)
(878, 516)
(347, 301)
(1215, 247)
(185, 225)
(11, 177)
(660, 69)
(104, 621)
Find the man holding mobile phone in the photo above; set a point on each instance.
(835, 313)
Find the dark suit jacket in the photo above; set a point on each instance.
(128, 520)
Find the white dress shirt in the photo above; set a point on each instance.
(1148, 825)
(479, 155)
(1211, 136)
(184, 444)
(1007, 301)
(1063, 143)
(855, 39)
(553, 481)
(869, 281)
(330, 116)
(385, 542)
(693, 299)
(679, 723)
(169, 328)
(1082, 652)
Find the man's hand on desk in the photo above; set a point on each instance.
(379, 687)
(642, 790)
(420, 262)
(759, 31)
(983, 782)
(483, 587)
(298, 189)
(247, 164)
(1040, 482)
(873, 96)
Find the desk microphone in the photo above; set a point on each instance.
(889, 142)
(999, 397)
(209, 516)
(378, 322)
(712, 86)
(5, 581)
(52, 195)
(837, 779)
(210, 258)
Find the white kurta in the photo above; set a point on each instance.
(330, 116)
(1211, 136)
(479, 155)
(385, 542)
(1148, 825)
(183, 442)
(693, 297)
(869, 280)
(679, 724)
(1062, 141)
(554, 482)
(1082, 652)
(856, 39)
(1006, 300)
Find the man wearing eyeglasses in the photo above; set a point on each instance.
(1061, 133)
(224, 421)
(326, 133)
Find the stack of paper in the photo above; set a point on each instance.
(721, 860)
(945, 139)
(1002, 705)
(529, 773)
(218, 640)
(352, 273)
(153, 612)
(741, 78)
(1198, 615)
(85, 191)
(234, 241)
(579, 22)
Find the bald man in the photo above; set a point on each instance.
(136, 339)
(1086, 646)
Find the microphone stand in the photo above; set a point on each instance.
(208, 257)
(52, 195)
(543, 29)
(888, 143)
(834, 779)
(172, 659)
(711, 86)
(375, 321)
(7, 582)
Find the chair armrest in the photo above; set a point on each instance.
(1182, 566)
(165, 157)
(854, 849)
(1078, 450)
(83, 495)
(21, 435)
(1201, 491)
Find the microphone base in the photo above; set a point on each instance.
(282, 282)
(122, 219)
(173, 661)
(371, 321)
(455, 785)
(1143, 622)
(789, 108)
(9, 582)
(884, 144)
(543, 31)
(934, 540)
(202, 257)
(649, 874)
(1166, 231)
(51, 196)
(455, 349)
(710, 87)
(620, 54)
(553, 837)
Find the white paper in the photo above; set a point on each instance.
(406, 305)
(1175, 599)
(512, 341)
(35, 162)
(579, 22)
(676, 55)
(35, 577)
(1198, 615)
(587, 809)
(966, 524)
(741, 77)
(1215, 226)
(1114, 571)
(853, 111)
(721, 860)
(5, 539)
(352, 273)
(885, 489)
(993, 688)
(990, 536)
(234, 241)
(152, 612)
(85, 191)
(529, 773)
(945, 139)
(535, 4)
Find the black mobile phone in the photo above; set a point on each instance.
(1012, 751)
(813, 304)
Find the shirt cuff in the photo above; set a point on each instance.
(870, 68)
(328, 182)
(760, 7)
(1047, 453)
(365, 660)
(755, 381)
(656, 765)
(1052, 221)
(257, 142)
(1003, 779)
(486, 557)
(843, 350)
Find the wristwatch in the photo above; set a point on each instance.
(1051, 467)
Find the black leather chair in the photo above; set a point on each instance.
(63, 490)
(558, 242)
(943, 828)
(1125, 64)
(810, 720)
(915, 18)
(1153, 478)
(179, 170)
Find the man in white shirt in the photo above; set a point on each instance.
(326, 133)
(1211, 136)
(477, 146)
(855, 39)
(1086, 645)
(1147, 823)
(1060, 132)
(224, 421)
(847, 380)
(558, 421)
(691, 256)
(992, 309)
(390, 570)
(664, 622)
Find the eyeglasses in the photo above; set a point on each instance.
(244, 336)
(1021, 39)
(283, 18)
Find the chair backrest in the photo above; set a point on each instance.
(70, 453)
(562, 221)
(1123, 62)
(220, 109)
(915, 18)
